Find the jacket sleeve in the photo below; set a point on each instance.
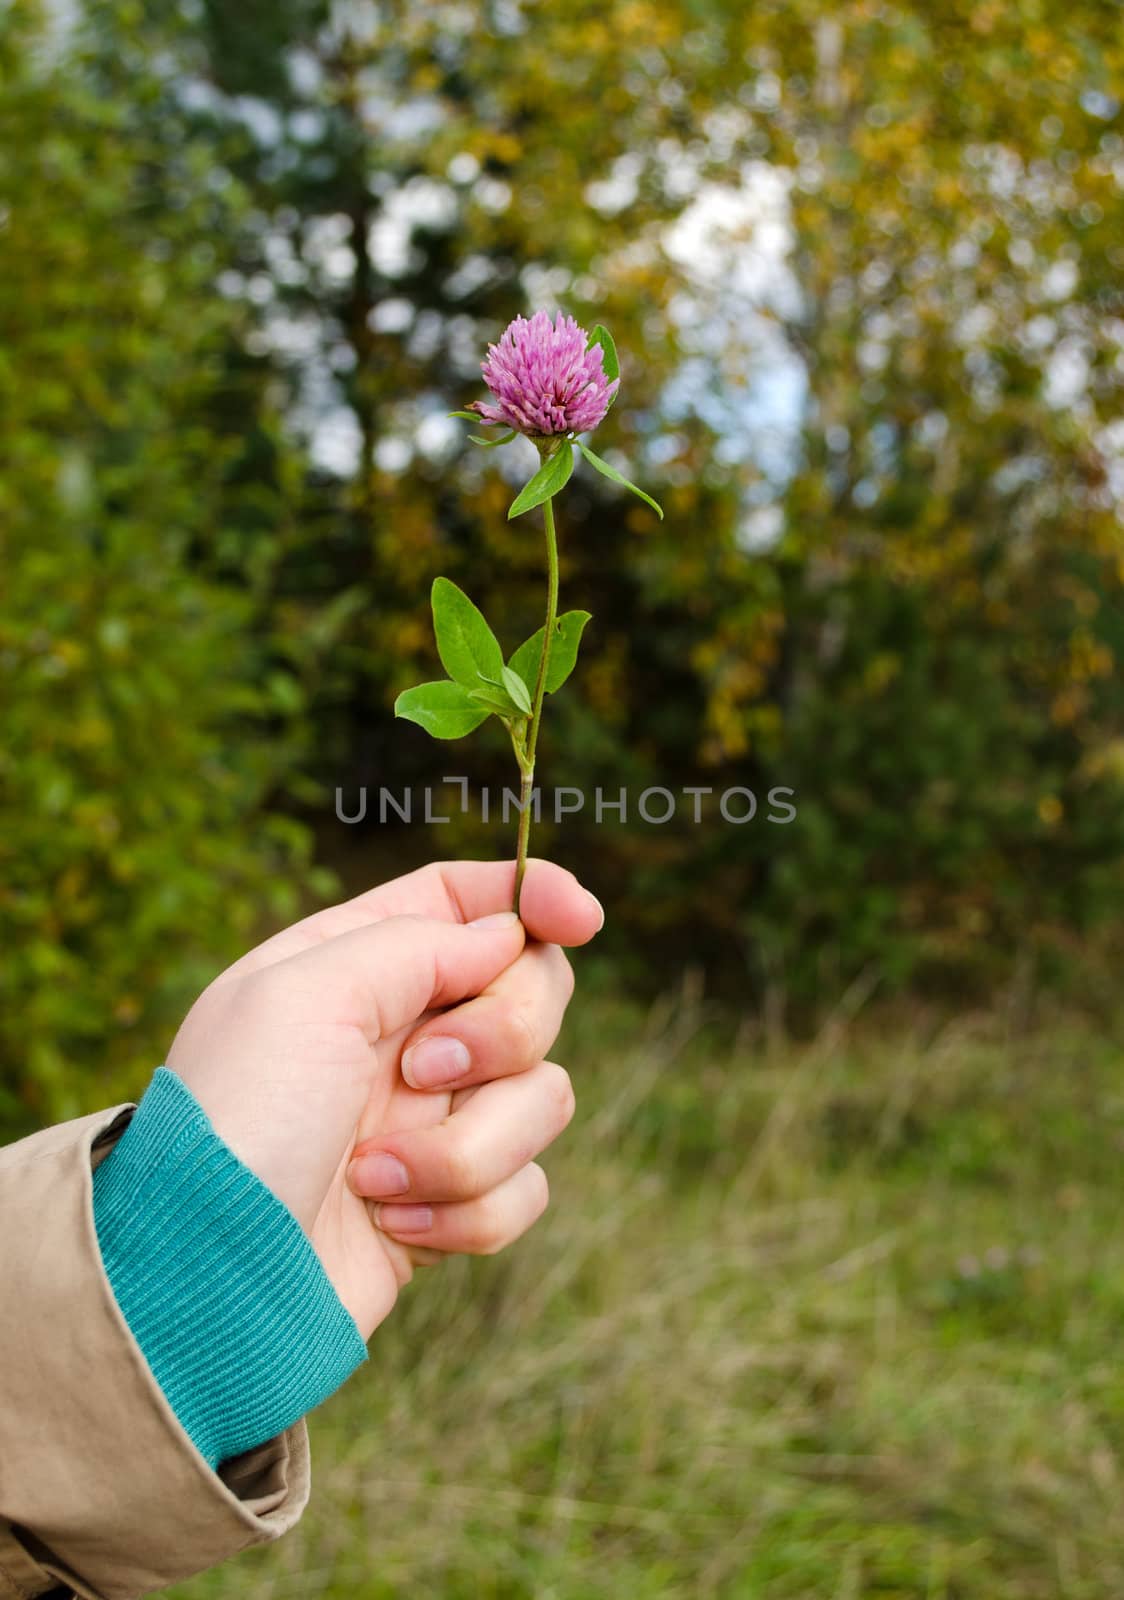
(102, 1493)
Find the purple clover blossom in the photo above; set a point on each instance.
(546, 378)
(550, 381)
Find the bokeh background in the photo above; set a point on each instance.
(828, 1303)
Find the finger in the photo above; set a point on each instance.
(499, 1130)
(506, 1029)
(479, 1227)
(382, 977)
(554, 907)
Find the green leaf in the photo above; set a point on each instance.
(517, 689)
(563, 652)
(614, 476)
(552, 476)
(490, 444)
(467, 646)
(610, 365)
(443, 709)
(470, 416)
(497, 701)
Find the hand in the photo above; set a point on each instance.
(301, 1055)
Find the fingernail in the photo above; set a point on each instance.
(498, 919)
(379, 1174)
(434, 1061)
(404, 1219)
(600, 909)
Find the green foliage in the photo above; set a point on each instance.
(610, 361)
(468, 648)
(552, 476)
(145, 721)
(517, 689)
(563, 652)
(923, 647)
(614, 476)
(492, 444)
(449, 710)
(445, 710)
(481, 684)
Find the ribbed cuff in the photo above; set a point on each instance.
(220, 1287)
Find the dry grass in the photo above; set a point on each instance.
(826, 1321)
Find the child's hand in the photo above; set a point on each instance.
(298, 1054)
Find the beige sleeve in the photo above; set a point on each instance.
(102, 1493)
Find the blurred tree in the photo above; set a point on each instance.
(952, 542)
(145, 718)
(861, 263)
(418, 177)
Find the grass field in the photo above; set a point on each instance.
(832, 1320)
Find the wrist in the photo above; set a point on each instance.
(291, 1136)
(222, 1291)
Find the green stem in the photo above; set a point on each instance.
(528, 767)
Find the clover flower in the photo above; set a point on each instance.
(550, 381)
(547, 378)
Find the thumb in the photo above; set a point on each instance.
(381, 978)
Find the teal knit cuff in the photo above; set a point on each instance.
(220, 1287)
